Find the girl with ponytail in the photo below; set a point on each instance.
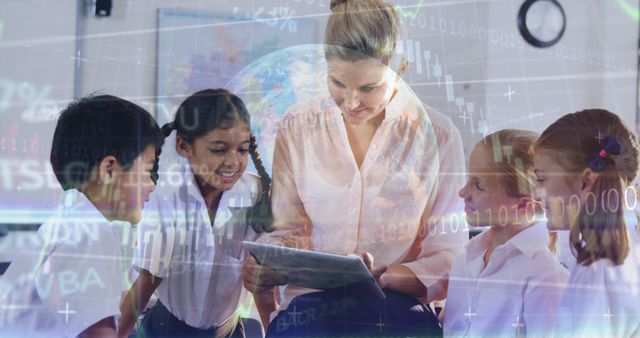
(585, 163)
(190, 239)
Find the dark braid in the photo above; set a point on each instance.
(166, 131)
(260, 216)
(265, 180)
(156, 167)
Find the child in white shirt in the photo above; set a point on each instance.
(190, 245)
(507, 282)
(104, 156)
(585, 163)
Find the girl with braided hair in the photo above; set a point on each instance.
(585, 163)
(190, 243)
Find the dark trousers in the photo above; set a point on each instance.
(351, 312)
(159, 322)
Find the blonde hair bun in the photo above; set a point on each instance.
(360, 29)
(335, 3)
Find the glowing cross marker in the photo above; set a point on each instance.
(518, 324)
(509, 93)
(608, 315)
(464, 117)
(78, 58)
(469, 314)
(295, 314)
(66, 313)
(380, 324)
(599, 137)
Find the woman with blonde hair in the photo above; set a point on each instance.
(366, 171)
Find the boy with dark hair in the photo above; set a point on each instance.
(104, 155)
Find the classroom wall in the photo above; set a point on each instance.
(475, 54)
(466, 56)
(121, 49)
(37, 69)
(594, 65)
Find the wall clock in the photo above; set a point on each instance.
(541, 22)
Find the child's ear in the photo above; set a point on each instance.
(587, 180)
(106, 170)
(526, 202)
(183, 147)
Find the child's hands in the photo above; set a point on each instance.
(377, 272)
(257, 278)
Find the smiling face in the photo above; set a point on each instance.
(218, 158)
(558, 190)
(362, 89)
(484, 194)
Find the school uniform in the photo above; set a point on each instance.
(199, 259)
(397, 205)
(71, 276)
(563, 250)
(602, 299)
(515, 294)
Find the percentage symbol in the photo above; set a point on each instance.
(287, 19)
(35, 101)
(8, 90)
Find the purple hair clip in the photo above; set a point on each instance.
(610, 146)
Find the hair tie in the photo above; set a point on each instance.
(335, 3)
(168, 128)
(253, 144)
(610, 146)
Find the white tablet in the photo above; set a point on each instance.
(312, 269)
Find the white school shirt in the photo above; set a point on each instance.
(409, 177)
(199, 263)
(516, 294)
(602, 299)
(563, 250)
(71, 276)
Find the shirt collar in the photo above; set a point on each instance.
(77, 207)
(531, 240)
(240, 196)
(528, 241)
(190, 184)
